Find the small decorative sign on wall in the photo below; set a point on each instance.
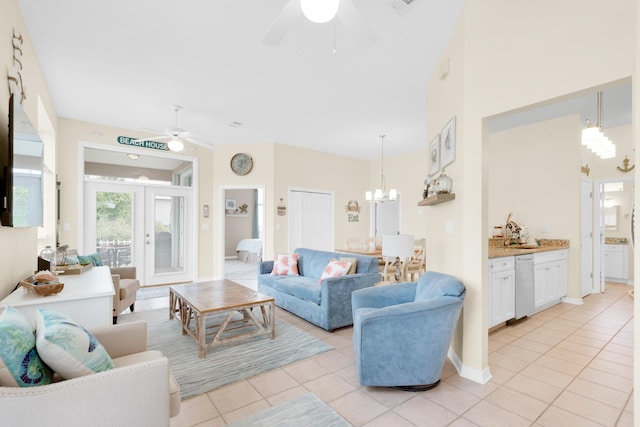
(353, 211)
(281, 208)
(154, 145)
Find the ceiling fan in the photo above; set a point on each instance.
(177, 135)
(343, 10)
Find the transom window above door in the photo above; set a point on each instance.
(103, 165)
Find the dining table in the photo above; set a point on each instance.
(367, 251)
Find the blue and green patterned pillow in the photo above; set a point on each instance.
(67, 347)
(71, 260)
(97, 259)
(94, 259)
(20, 364)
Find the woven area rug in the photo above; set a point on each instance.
(306, 410)
(226, 364)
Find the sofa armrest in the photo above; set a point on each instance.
(382, 296)
(336, 297)
(265, 267)
(136, 394)
(123, 339)
(115, 278)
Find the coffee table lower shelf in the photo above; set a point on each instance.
(186, 306)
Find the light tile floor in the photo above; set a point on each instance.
(566, 366)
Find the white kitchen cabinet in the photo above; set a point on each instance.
(616, 262)
(501, 290)
(550, 278)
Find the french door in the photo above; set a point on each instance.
(149, 227)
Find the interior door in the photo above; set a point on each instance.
(168, 231)
(311, 220)
(385, 218)
(586, 242)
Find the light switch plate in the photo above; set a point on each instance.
(448, 228)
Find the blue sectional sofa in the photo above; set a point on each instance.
(326, 304)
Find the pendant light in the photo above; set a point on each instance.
(593, 137)
(379, 195)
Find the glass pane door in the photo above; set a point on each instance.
(167, 234)
(113, 223)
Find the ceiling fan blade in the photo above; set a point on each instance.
(200, 143)
(284, 21)
(353, 21)
(187, 134)
(153, 138)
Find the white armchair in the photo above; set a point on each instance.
(140, 391)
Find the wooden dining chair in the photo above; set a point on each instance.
(417, 265)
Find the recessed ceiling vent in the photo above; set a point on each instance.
(401, 6)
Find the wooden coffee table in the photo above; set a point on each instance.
(194, 301)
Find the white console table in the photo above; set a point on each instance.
(86, 298)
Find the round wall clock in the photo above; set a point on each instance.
(241, 163)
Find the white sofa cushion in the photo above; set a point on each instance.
(68, 348)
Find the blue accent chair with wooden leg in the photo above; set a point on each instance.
(402, 332)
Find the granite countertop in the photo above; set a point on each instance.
(616, 241)
(497, 248)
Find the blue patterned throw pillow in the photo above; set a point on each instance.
(94, 259)
(20, 364)
(67, 347)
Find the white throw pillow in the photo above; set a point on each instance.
(67, 347)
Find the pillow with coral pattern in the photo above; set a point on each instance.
(335, 268)
(285, 265)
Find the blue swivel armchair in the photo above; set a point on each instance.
(402, 333)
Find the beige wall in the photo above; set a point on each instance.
(499, 65)
(346, 177)
(71, 134)
(19, 248)
(534, 173)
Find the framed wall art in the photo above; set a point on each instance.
(231, 205)
(434, 156)
(448, 143)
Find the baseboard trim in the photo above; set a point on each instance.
(574, 301)
(482, 376)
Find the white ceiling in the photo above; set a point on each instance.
(123, 63)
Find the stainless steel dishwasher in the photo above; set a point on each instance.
(525, 291)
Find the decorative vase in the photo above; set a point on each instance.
(445, 184)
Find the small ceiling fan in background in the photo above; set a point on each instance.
(321, 11)
(177, 135)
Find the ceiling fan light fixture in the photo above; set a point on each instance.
(175, 145)
(319, 11)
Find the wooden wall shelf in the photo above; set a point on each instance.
(437, 199)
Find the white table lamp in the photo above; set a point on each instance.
(398, 246)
